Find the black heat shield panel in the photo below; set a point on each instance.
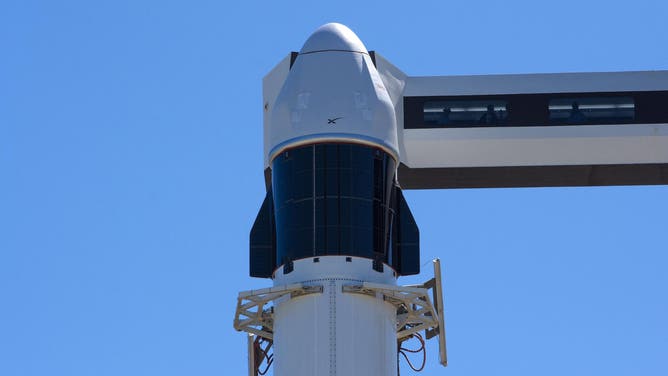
(263, 240)
(407, 239)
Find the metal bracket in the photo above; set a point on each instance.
(415, 311)
(252, 369)
(251, 316)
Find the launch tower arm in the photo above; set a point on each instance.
(531, 130)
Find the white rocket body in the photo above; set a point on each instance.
(335, 333)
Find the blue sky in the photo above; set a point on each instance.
(131, 172)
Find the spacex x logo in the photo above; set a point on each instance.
(333, 121)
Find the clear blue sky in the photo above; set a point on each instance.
(131, 172)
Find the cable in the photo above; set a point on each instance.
(422, 349)
(263, 355)
(271, 360)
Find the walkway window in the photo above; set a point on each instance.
(473, 113)
(592, 110)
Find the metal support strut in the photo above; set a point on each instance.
(415, 311)
(251, 315)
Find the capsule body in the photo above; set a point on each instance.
(333, 93)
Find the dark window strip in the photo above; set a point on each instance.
(516, 110)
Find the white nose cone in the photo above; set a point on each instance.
(333, 93)
(333, 37)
